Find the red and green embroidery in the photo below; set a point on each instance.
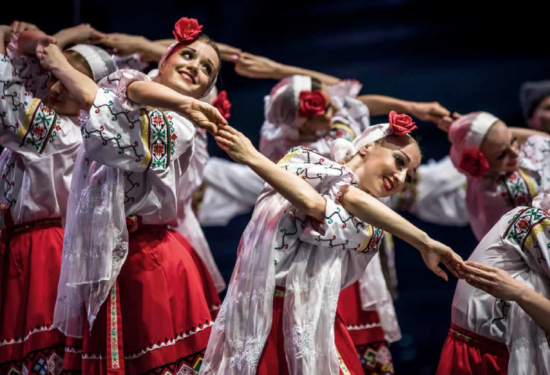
(162, 139)
(43, 128)
(517, 188)
(525, 225)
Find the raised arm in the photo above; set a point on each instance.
(80, 34)
(82, 87)
(253, 66)
(522, 134)
(156, 95)
(360, 204)
(124, 45)
(382, 105)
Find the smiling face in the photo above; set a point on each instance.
(59, 98)
(383, 168)
(190, 69)
(500, 148)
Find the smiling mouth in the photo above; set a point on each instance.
(188, 76)
(388, 184)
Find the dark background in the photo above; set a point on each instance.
(468, 55)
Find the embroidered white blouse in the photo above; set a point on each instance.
(519, 244)
(39, 145)
(152, 147)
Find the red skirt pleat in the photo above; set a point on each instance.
(162, 322)
(273, 360)
(366, 333)
(31, 265)
(212, 297)
(466, 353)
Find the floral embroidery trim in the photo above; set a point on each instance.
(341, 126)
(43, 128)
(161, 139)
(115, 364)
(525, 225)
(518, 188)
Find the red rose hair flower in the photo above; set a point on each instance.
(312, 103)
(401, 124)
(223, 104)
(187, 30)
(474, 163)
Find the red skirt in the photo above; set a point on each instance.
(366, 333)
(273, 360)
(31, 265)
(156, 321)
(212, 297)
(466, 353)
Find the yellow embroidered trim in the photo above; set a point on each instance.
(287, 157)
(339, 125)
(115, 364)
(145, 128)
(35, 103)
(530, 183)
(530, 240)
(343, 366)
(370, 232)
(279, 293)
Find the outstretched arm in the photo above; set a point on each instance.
(522, 134)
(253, 66)
(382, 105)
(360, 204)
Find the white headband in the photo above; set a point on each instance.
(100, 62)
(342, 150)
(479, 128)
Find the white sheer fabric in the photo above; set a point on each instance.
(518, 244)
(312, 260)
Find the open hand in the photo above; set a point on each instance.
(436, 252)
(203, 115)
(492, 280)
(429, 111)
(235, 144)
(445, 123)
(228, 53)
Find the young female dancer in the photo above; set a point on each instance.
(41, 139)
(128, 285)
(302, 247)
(501, 328)
(506, 167)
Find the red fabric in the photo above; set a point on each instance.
(366, 333)
(273, 360)
(353, 315)
(210, 293)
(165, 319)
(30, 274)
(472, 355)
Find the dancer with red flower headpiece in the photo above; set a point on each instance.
(128, 284)
(313, 109)
(506, 167)
(305, 242)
